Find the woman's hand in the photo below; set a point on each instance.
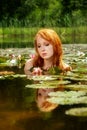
(37, 71)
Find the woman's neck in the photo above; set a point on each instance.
(47, 64)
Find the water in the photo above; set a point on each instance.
(19, 109)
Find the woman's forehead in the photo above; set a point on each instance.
(41, 39)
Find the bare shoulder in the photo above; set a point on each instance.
(28, 65)
(29, 62)
(66, 67)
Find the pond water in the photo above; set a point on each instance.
(55, 102)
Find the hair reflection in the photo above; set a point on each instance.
(41, 99)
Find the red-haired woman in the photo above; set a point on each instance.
(49, 53)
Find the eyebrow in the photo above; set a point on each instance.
(38, 43)
(43, 42)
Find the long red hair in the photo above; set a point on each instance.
(52, 37)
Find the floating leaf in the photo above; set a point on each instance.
(6, 72)
(72, 75)
(1, 77)
(12, 76)
(80, 70)
(77, 111)
(67, 97)
(39, 86)
(68, 100)
(47, 84)
(43, 78)
(54, 71)
(76, 87)
(19, 75)
(3, 59)
(67, 94)
(77, 78)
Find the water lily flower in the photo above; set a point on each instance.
(19, 57)
(79, 53)
(32, 56)
(13, 62)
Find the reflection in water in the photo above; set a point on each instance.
(41, 99)
(18, 109)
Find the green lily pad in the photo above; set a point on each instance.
(76, 87)
(1, 77)
(68, 97)
(3, 59)
(36, 86)
(47, 84)
(19, 75)
(67, 94)
(12, 76)
(82, 111)
(80, 70)
(43, 78)
(76, 76)
(77, 79)
(54, 71)
(68, 101)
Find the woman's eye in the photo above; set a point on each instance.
(39, 94)
(47, 44)
(38, 46)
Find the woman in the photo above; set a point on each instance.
(49, 53)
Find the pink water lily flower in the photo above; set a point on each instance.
(32, 56)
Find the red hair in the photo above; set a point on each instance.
(52, 37)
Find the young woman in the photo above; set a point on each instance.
(49, 53)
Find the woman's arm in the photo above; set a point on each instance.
(28, 66)
(65, 67)
(30, 70)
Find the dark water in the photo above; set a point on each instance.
(19, 111)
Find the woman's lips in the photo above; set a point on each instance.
(44, 54)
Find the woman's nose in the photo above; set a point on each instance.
(42, 48)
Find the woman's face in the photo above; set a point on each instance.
(44, 48)
(42, 95)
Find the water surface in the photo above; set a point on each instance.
(18, 105)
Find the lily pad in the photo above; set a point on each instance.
(36, 86)
(67, 94)
(1, 77)
(19, 75)
(80, 70)
(6, 72)
(12, 76)
(68, 97)
(82, 111)
(76, 87)
(43, 78)
(77, 79)
(47, 84)
(75, 76)
(68, 101)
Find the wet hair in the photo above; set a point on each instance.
(52, 37)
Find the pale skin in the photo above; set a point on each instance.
(45, 50)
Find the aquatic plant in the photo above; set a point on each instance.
(81, 111)
(78, 87)
(46, 82)
(68, 100)
(67, 94)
